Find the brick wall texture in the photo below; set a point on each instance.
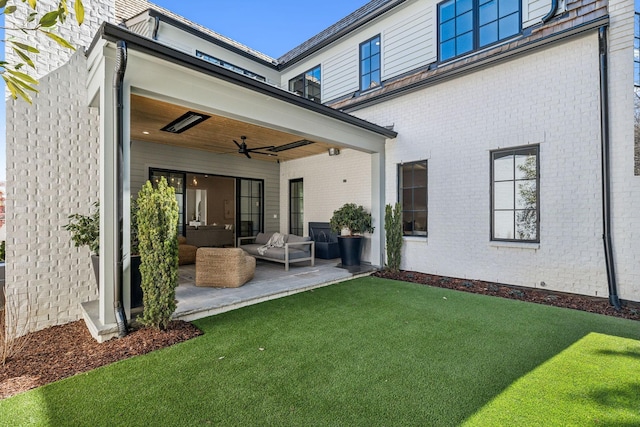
(550, 98)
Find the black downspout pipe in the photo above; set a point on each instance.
(121, 66)
(551, 13)
(606, 179)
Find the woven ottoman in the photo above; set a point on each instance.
(186, 253)
(224, 267)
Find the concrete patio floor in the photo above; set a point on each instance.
(270, 281)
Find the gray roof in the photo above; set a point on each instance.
(351, 21)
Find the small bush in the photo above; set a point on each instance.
(85, 229)
(2, 251)
(158, 244)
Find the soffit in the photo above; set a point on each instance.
(215, 135)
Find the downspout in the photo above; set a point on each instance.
(606, 179)
(156, 27)
(551, 13)
(121, 66)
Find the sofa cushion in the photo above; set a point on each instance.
(296, 239)
(262, 238)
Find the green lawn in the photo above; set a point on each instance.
(366, 352)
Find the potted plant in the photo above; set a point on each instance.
(351, 221)
(85, 231)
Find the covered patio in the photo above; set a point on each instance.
(236, 105)
(270, 282)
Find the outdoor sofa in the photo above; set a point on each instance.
(294, 248)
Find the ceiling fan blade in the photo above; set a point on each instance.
(246, 153)
(239, 146)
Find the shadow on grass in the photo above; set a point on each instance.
(364, 352)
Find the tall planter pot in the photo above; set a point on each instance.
(350, 249)
(136, 278)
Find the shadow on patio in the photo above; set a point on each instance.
(271, 281)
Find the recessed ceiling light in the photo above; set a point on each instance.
(145, 132)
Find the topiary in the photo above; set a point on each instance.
(393, 233)
(158, 244)
(352, 217)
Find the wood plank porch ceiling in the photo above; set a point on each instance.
(215, 134)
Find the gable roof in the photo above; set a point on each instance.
(366, 13)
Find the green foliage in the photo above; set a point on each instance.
(85, 229)
(19, 83)
(353, 217)
(2, 251)
(157, 232)
(393, 233)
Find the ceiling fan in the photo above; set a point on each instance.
(242, 148)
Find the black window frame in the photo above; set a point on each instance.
(475, 30)
(402, 187)
(296, 211)
(514, 151)
(305, 84)
(361, 59)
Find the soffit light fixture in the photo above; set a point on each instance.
(334, 151)
(185, 121)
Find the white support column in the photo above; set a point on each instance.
(108, 218)
(377, 208)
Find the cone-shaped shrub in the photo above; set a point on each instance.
(393, 233)
(158, 245)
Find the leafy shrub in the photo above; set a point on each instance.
(352, 217)
(393, 233)
(85, 229)
(2, 251)
(158, 236)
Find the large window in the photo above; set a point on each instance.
(307, 84)
(412, 192)
(515, 181)
(467, 25)
(296, 207)
(370, 63)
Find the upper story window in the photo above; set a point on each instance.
(467, 25)
(370, 63)
(307, 84)
(229, 66)
(515, 180)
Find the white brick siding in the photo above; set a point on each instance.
(550, 98)
(52, 171)
(625, 185)
(329, 182)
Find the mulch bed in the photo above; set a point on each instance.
(62, 351)
(630, 310)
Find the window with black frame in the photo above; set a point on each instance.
(468, 25)
(412, 194)
(515, 180)
(636, 88)
(370, 63)
(296, 207)
(308, 84)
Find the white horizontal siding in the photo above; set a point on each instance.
(340, 74)
(145, 155)
(409, 44)
(533, 11)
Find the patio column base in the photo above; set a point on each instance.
(91, 315)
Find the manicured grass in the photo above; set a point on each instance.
(596, 381)
(365, 352)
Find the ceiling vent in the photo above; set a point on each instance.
(184, 122)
